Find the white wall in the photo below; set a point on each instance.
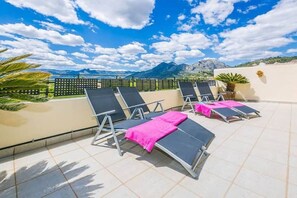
(279, 82)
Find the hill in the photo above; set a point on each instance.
(86, 73)
(170, 70)
(270, 60)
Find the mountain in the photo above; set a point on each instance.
(86, 73)
(170, 70)
(270, 60)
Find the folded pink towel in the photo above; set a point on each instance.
(173, 117)
(205, 109)
(149, 133)
(231, 103)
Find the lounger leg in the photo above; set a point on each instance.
(134, 113)
(114, 136)
(257, 113)
(184, 105)
(100, 129)
(158, 104)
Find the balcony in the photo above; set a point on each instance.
(46, 152)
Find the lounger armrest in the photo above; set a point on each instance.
(105, 113)
(157, 101)
(190, 95)
(143, 104)
(202, 95)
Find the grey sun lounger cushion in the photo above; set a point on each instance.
(131, 97)
(185, 147)
(205, 92)
(188, 90)
(197, 131)
(188, 94)
(246, 109)
(181, 146)
(241, 108)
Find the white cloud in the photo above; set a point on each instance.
(61, 52)
(186, 26)
(168, 46)
(133, 48)
(132, 14)
(64, 10)
(30, 31)
(182, 56)
(51, 26)
(292, 50)
(80, 55)
(215, 11)
(181, 17)
(189, 54)
(230, 21)
(42, 54)
(257, 40)
(250, 8)
(181, 42)
(155, 59)
(101, 50)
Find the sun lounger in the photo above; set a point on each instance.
(181, 146)
(131, 97)
(246, 111)
(205, 92)
(206, 95)
(136, 105)
(188, 93)
(226, 113)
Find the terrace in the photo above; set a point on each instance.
(249, 158)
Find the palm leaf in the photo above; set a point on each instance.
(13, 59)
(13, 80)
(27, 97)
(15, 67)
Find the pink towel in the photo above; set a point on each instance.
(173, 117)
(149, 133)
(205, 109)
(231, 103)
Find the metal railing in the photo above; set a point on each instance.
(75, 86)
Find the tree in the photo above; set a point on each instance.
(231, 79)
(14, 79)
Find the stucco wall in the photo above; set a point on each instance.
(279, 82)
(39, 120)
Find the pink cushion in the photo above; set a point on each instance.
(173, 117)
(149, 133)
(205, 109)
(231, 103)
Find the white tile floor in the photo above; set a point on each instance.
(249, 158)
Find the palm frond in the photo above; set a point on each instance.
(3, 50)
(13, 59)
(27, 97)
(232, 78)
(16, 67)
(13, 81)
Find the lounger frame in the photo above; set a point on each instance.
(113, 132)
(138, 109)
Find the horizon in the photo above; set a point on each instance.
(75, 35)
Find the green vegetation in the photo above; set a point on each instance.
(231, 79)
(203, 75)
(270, 60)
(13, 80)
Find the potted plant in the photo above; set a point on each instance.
(13, 79)
(231, 79)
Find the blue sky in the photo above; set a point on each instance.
(139, 34)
